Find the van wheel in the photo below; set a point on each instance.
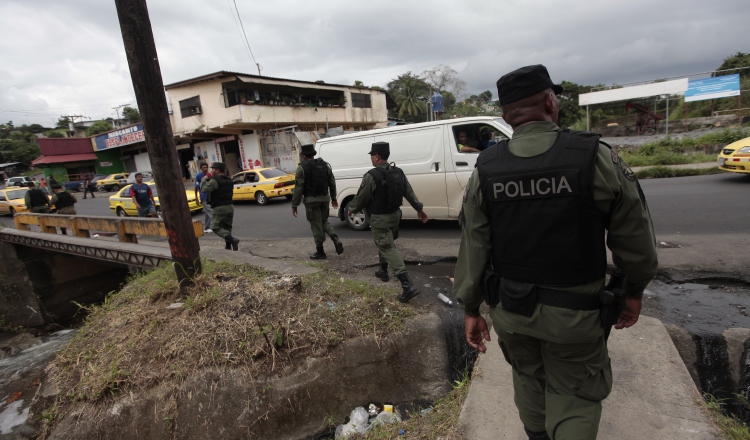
(261, 198)
(359, 221)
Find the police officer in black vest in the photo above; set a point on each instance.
(37, 200)
(314, 180)
(219, 189)
(63, 202)
(538, 211)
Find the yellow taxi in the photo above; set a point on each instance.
(113, 182)
(12, 200)
(735, 157)
(122, 204)
(262, 184)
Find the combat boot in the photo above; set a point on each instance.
(338, 243)
(235, 243)
(319, 254)
(536, 435)
(228, 242)
(409, 291)
(383, 272)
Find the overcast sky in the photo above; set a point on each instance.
(67, 57)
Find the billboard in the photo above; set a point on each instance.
(119, 138)
(673, 87)
(712, 88)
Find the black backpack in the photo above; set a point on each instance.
(393, 181)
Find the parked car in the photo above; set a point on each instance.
(18, 181)
(735, 157)
(122, 204)
(262, 184)
(76, 185)
(113, 182)
(12, 200)
(427, 153)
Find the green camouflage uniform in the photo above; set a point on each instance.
(384, 226)
(561, 368)
(316, 207)
(222, 216)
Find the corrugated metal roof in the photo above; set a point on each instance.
(62, 158)
(3, 165)
(226, 74)
(307, 137)
(58, 146)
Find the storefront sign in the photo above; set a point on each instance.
(105, 164)
(119, 138)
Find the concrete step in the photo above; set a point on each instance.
(653, 394)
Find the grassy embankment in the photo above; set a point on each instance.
(732, 428)
(233, 317)
(671, 151)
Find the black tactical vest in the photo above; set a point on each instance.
(382, 198)
(545, 226)
(38, 197)
(316, 177)
(223, 195)
(64, 199)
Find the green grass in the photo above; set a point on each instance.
(661, 172)
(665, 158)
(731, 427)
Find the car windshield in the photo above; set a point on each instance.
(16, 194)
(273, 172)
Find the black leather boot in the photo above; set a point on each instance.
(409, 291)
(536, 435)
(235, 244)
(339, 245)
(228, 242)
(383, 272)
(319, 254)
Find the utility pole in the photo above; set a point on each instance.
(117, 113)
(72, 121)
(145, 73)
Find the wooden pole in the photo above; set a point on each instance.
(152, 103)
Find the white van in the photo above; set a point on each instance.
(427, 152)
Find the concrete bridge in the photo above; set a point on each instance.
(44, 274)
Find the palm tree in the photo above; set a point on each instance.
(409, 100)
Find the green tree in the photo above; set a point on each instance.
(132, 115)
(98, 127)
(464, 109)
(486, 96)
(358, 83)
(410, 100)
(570, 111)
(408, 84)
(54, 134)
(62, 122)
(18, 150)
(449, 100)
(737, 60)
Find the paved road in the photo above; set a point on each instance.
(715, 204)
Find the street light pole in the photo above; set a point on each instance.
(145, 73)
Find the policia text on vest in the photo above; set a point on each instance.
(538, 185)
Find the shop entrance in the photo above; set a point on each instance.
(185, 157)
(231, 153)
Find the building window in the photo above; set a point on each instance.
(361, 100)
(191, 107)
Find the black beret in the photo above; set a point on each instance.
(379, 148)
(524, 82)
(219, 166)
(309, 150)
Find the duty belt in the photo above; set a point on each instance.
(567, 300)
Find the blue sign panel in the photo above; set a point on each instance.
(119, 138)
(437, 102)
(712, 88)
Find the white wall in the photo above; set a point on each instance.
(250, 151)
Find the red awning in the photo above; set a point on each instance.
(64, 158)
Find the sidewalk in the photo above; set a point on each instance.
(653, 395)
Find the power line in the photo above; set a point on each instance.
(245, 35)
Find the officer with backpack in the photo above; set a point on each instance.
(382, 191)
(314, 180)
(219, 189)
(63, 201)
(37, 200)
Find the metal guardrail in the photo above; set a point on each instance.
(81, 226)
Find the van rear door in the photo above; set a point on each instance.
(419, 153)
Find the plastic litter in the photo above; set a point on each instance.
(96, 235)
(373, 410)
(388, 408)
(425, 411)
(359, 421)
(445, 299)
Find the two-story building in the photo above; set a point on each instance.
(249, 121)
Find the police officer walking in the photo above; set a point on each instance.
(219, 189)
(63, 202)
(537, 211)
(382, 191)
(314, 180)
(37, 200)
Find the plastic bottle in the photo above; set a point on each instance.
(445, 299)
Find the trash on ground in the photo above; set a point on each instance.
(425, 411)
(175, 306)
(361, 420)
(445, 299)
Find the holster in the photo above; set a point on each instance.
(491, 281)
(516, 296)
(613, 301)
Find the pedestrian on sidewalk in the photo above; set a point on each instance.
(382, 191)
(143, 197)
(537, 211)
(36, 200)
(314, 180)
(200, 197)
(89, 187)
(219, 190)
(63, 202)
